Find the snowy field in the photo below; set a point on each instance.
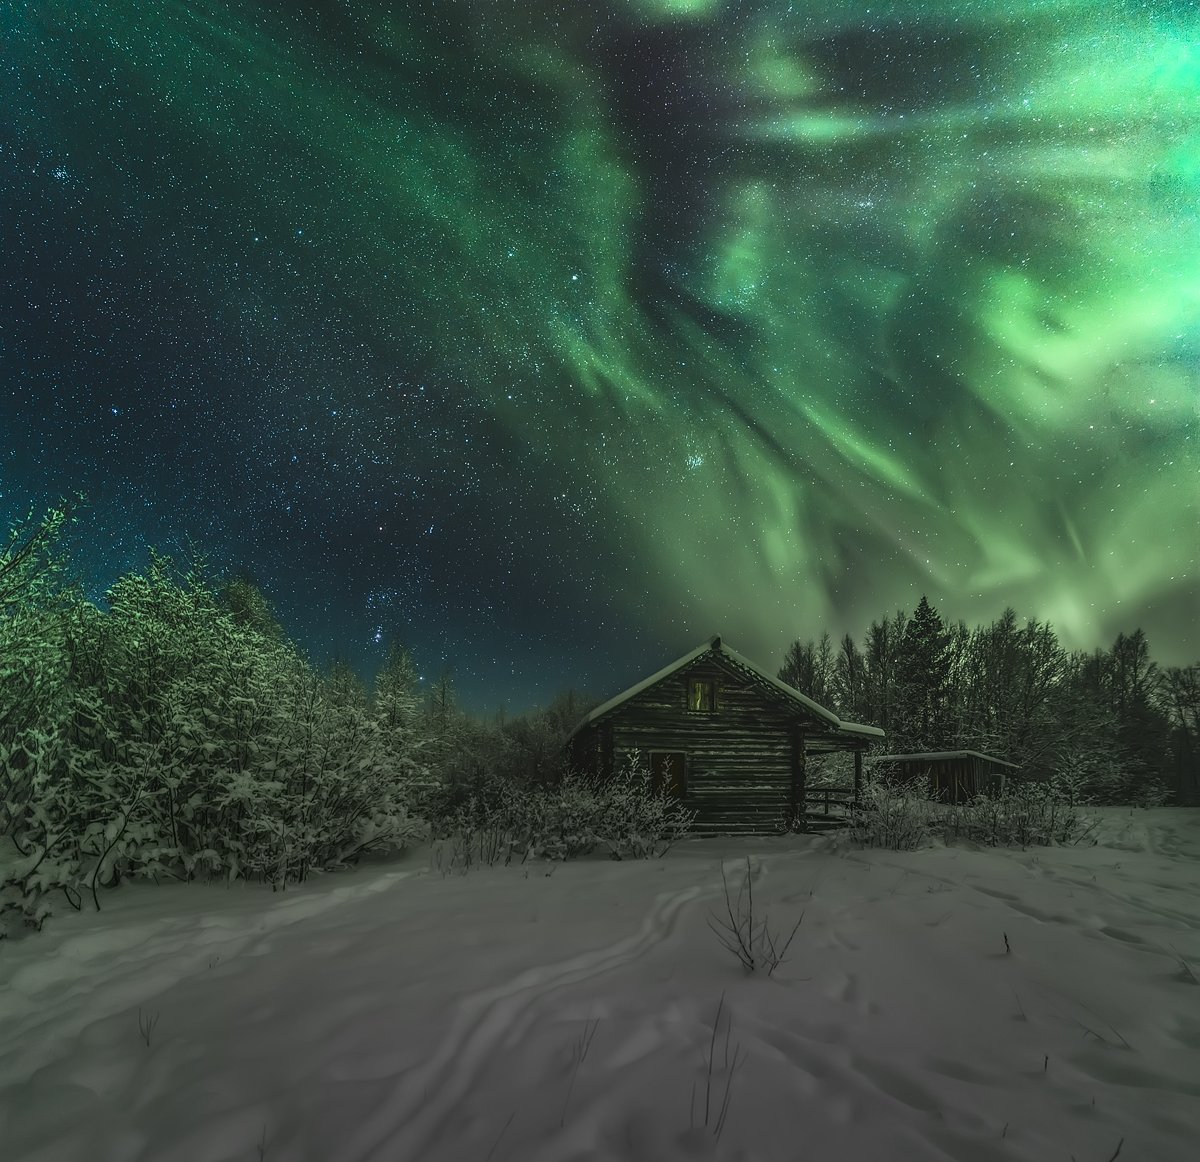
(393, 1013)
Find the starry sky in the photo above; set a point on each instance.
(551, 338)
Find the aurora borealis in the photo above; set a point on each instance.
(552, 338)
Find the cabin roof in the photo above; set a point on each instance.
(719, 649)
(935, 755)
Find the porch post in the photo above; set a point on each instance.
(796, 795)
(857, 776)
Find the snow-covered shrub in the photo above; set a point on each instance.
(621, 813)
(901, 817)
(635, 818)
(485, 817)
(37, 855)
(465, 803)
(1023, 815)
(1070, 785)
(167, 738)
(1041, 813)
(892, 815)
(33, 870)
(319, 789)
(569, 819)
(489, 817)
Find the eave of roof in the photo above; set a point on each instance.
(718, 648)
(941, 754)
(861, 728)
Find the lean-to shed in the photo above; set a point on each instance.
(722, 734)
(953, 776)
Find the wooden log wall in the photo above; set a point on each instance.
(744, 760)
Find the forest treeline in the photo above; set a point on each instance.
(178, 733)
(1111, 721)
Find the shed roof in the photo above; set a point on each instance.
(719, 649)
(935, 755)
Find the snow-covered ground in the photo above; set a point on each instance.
(393, 1013)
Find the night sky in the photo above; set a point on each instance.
(550, 339)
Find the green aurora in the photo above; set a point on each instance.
(810, 306)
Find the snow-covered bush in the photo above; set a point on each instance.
(891, 814)
(1070, 785)
(490, 817)
(484, 817)
(637, 819)
(37, 856)
(32, 872)
(172, 738)
(900, 816)
(567, 819)
(1023, 815)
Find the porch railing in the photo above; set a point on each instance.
(823, 796)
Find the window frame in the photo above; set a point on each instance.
(714, 688)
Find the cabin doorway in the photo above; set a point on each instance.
(668, 770)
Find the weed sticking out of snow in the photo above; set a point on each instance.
(751, 941)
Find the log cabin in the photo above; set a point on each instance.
(723, 735)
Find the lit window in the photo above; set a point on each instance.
(702, 694)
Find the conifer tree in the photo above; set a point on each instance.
(346, 688)
(446, 726)
(250, 608)
(881, 664)
(397, 690)
(397, 713)
(923, 679)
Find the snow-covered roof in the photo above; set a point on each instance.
(933, 755)
(860, 728)
(719, 649)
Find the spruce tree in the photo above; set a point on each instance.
(346, 688)
(396, 711)
(881, 665)
(249, 607)
(923, 679)
(446, 727)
